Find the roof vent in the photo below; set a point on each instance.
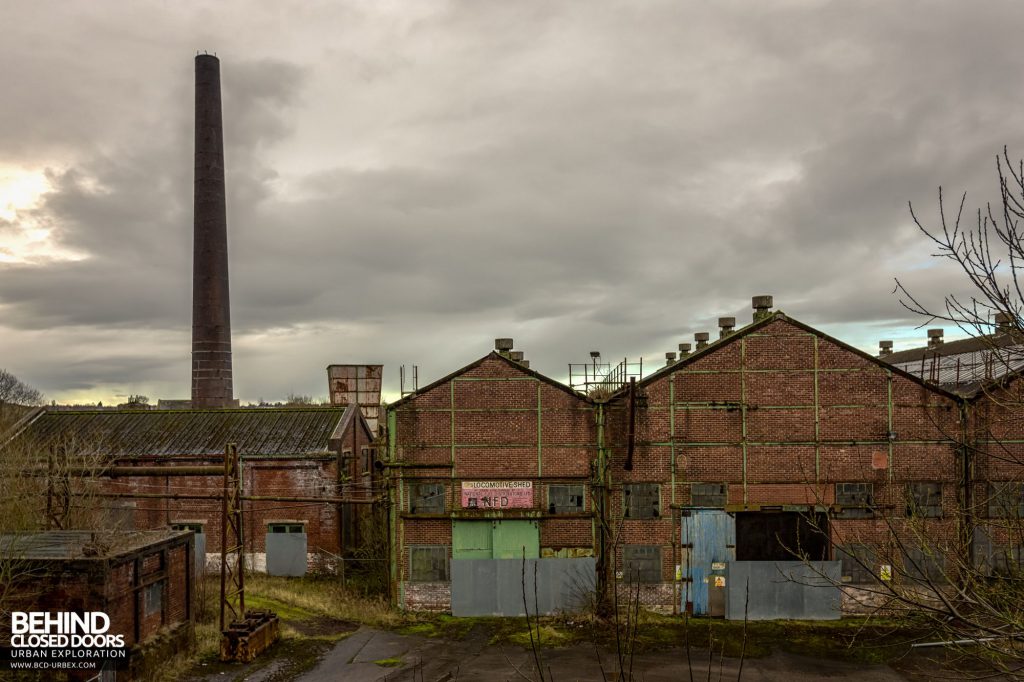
(516, 355)
(503, 346)
(726, 325)
(525, 363)
(684, 350)
(884, 348)
(762, 306)
(934, 338)
(702, 340)
(670, 358)
(1004, 322)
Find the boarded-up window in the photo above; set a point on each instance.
(428, 563)
(641, 563)
(1006, 500)
(855, 500)
(153, 598)
(858, 564)
(641, 500)
(427, 498)
(924, 499)
(565, 499)
(708, 495)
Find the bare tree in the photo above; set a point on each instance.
(15, 393)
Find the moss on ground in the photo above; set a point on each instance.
(389, 662)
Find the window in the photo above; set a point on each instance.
(641, 500)
(285, 528)
(427, 498)
(924, 499)
(858, 564)
(1005, 500)
(641, 563)
(196, 528)
(924, 565)
(428, 563)
(153, 598)
(854, 500)
(708, 495)
(565, 499)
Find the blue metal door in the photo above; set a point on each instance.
(709, 536)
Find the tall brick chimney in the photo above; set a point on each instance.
(211, 310)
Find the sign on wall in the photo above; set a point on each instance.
(497, 494)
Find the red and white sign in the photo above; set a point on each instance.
(497, 494)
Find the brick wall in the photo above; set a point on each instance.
(493, 420)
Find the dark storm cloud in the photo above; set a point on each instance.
(407, 183)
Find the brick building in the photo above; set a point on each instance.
(774, 439)
(492, 461)
(143, 581)
(292, 454)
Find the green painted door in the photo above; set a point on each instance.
(495, 539)
(471, 540)
(512, 538)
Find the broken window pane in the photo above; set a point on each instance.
(428, 563)
(565, 499)
(641, 500)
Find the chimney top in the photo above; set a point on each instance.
(762, 306)
(525, 363)
(726, 326)
(684, 349)
(670, 357)
(516, 355)
(884, 348)
(1004, 322)
(701, 336)
(934, 338)
(503, 345)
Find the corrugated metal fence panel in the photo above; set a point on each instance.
(494, 587)
(783, 590)
(711, 535)
(286, 554)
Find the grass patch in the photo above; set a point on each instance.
(389, 662)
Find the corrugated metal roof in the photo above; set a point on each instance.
(963, 365)
(80, 544)
(138, 433)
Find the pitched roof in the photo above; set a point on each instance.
(964, 366)
(50, 545)
(258, 432)
(476, 363)
(776, 316)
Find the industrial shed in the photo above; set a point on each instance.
(487, 466)
(771, 441)
(143, 581)
(301, 453)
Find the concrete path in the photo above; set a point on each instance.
(436, 660)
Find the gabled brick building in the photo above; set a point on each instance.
(774, 439)
(492, 461)
(300, 453)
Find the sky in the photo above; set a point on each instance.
(408, 181)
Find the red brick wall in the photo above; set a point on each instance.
(497, 406)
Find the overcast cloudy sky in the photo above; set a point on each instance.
(408, 180)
